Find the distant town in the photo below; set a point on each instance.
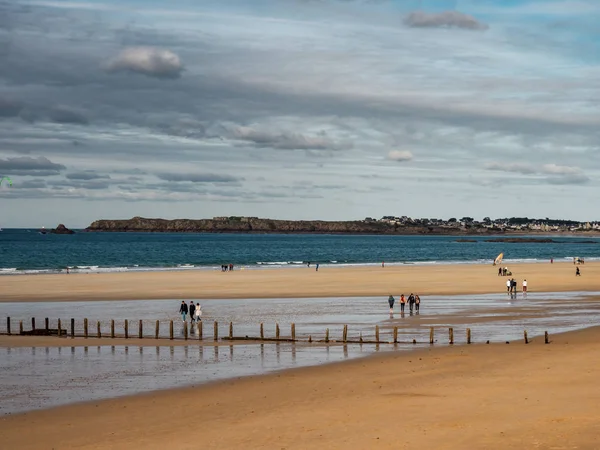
(506, 224)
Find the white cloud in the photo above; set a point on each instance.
(400, 155)
(153, 62)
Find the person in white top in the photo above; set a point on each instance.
(507, 285)
(524, 285)
(198, 312)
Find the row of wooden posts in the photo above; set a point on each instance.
(60, 332)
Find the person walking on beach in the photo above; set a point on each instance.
(192, 309)
(317, 267)
(183, 310)
(198, 313)
(577, 272)
(402, 303)
(508, 286)
(499, 271)
(524, 286)
(417, 302)
(411, 302)
(391, 301)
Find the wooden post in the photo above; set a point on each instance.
(546, 337)
(327, 335)
(431, 336)
(262, 331)
(126, 329)
(47, 323)
(59, 328)
(72, 327)
(200, 337)
(525, 337)
(360, 338)
(293, 332)
(141, 330)
(8, 325)
(85, 328)
(33, 323)
(230, 330)
(395, 335)
(20, 327)
(171, 330)
(468, 335)
(376, 333)
(99, 330)
(157, 329)
(112, 328)
(185, 331)
(276, 331)
(451, 335)
(310, 338)
(345, 335)
(216, 331)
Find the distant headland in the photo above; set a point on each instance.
(386, 225)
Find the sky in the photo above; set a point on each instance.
(298, 109)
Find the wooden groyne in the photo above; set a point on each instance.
(178, 330)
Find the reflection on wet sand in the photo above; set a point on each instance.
(31, 378)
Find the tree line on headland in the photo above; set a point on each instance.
(386, 225)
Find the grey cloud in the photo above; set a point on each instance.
(25, 165)
(197, 177)
(86, 175)
(556, 174)
(283, 141)
(81, 184)
(31, 184)
(149, 61)
(524, 169)
(445, 19)
(65, 114)
(9, 108)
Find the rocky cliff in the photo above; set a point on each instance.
(257, 225)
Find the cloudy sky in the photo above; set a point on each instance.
(298, 109)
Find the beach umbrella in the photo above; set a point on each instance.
(498, 259)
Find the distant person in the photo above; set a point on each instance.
(411, 302)
(308, 264)
(551, 260)
(577, 272)
(524, 286)
(198, 313)
(230, 267)
(382, 263)
(183, 310)
(499, 271)
(391, 301)
(513, 285)
(402, 303)
(317, 267)
(508, 285)
(67, 271)
(417, 302)
(192, 310)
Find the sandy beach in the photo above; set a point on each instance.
(297, 282)
(480, 396)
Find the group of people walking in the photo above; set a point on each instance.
(414, 303)
(195, 311)
(511, 286)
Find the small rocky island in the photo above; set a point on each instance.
(61, 229)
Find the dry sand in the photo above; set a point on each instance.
(296, 282)
(495, 396)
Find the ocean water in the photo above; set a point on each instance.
(27, 251)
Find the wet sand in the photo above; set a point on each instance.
(494, 396)
(297, 282)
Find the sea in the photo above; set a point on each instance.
(26, 251)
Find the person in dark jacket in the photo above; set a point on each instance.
(183, 310)
(411, 302)
(391, 301)
(417, 302)
(192, 309)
